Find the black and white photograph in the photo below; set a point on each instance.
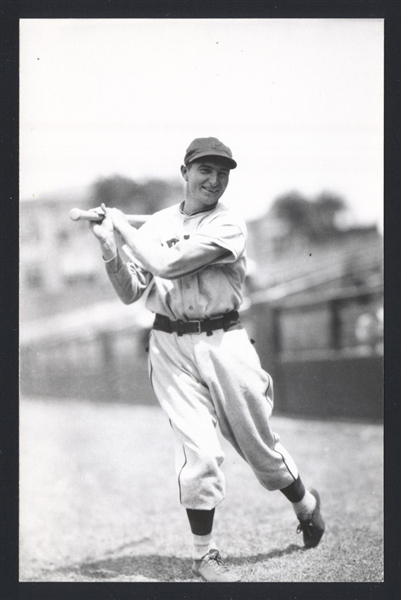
(201, 300)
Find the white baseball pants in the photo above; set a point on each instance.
(201, 381)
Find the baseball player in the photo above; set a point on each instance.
(190, 259)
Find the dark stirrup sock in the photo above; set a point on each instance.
(295, 491)
(200, 521)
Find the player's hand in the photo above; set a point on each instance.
(103, 230)
(119, 220)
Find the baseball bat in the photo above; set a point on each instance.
(77, 214)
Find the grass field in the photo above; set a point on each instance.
(99, 500)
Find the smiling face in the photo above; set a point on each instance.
(207, 179)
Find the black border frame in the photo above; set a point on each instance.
(11, 12)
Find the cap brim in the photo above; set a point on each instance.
(231, 161)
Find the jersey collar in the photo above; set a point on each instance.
(202, 210)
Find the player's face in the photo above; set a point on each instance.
(207, 180)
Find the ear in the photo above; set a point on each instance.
(184, 172)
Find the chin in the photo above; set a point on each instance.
(211, 199)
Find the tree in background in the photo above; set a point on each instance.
(134, 197)
(327, 207)
(315, 220)
(295, 211)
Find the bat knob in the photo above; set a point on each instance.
(75, 214)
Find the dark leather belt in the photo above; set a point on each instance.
(225, 321)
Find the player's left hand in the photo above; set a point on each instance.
(120, 221)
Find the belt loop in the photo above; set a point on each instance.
(226, 321)
(180, 327)
(208, 327)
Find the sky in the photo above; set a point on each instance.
(298, 101)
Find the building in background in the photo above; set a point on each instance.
(54, 252)
(351, 256)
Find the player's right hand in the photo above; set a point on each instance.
(103, 230)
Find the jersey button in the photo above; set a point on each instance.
(191, 307)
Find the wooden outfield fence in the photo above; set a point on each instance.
(321, 363)
(308, 344)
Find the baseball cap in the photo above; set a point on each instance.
(210, 146)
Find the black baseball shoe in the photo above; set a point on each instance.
(212, 568)
(313, 526)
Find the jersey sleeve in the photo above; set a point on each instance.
(129, 280)
(216, 241)
(226, 232)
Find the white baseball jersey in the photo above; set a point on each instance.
(203, 380)
(201, 287)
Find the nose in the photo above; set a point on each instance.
(213, 178)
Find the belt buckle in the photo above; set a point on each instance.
(198, 323)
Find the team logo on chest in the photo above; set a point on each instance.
(174, 241)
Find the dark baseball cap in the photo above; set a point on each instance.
(210, 146)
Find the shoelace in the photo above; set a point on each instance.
(305, 527)
(216, 562)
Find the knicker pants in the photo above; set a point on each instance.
(203, 380)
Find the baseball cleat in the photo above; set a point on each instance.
(212, 568)
(313, 526)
